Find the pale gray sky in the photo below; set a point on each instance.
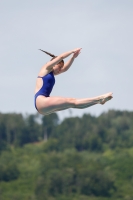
(104, 29)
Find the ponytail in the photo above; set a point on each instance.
(52, 55)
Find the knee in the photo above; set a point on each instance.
(72, 101)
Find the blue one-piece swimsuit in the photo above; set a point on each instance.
(48, 83)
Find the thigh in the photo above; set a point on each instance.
(47, 105)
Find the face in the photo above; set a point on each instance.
(57, 68)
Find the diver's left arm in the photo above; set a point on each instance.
(69, 62)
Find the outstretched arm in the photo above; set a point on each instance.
(55, 61)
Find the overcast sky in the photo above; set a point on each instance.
(104, 30)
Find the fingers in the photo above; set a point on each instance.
(76, 54)
(77, 49)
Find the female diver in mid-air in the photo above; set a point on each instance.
(46, 104)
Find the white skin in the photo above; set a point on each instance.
(48, 105)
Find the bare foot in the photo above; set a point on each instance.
(106, 97)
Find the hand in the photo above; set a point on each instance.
(77, 52)
(77, 49)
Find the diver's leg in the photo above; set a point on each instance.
(84, 103)
(48, 105)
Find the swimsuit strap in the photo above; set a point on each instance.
(44, 75)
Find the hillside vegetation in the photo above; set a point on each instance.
(80, 158)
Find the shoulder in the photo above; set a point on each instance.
(44, 70)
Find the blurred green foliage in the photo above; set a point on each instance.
(87, 158)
